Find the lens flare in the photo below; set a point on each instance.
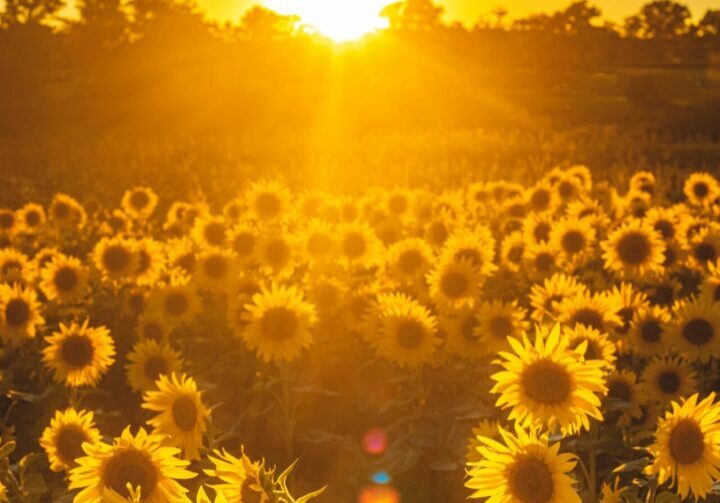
(379, 494)
(382, 477)
(375, 441)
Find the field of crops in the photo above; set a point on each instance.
(549, 341)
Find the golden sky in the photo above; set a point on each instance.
(467, 11)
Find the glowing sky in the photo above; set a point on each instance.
(467, 11)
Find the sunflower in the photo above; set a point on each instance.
(278, 323)
(215, 270)
(647, 335)
(31, 218)
(116, 258)
(317, 242)
(240, 477)
(454, 284)
(134, 468)
(634, 250)
(177, 303)
(9, 224)
(181, 256)
(43, 257)
(486, 428)
(568, 188)
(210, 231)
(268, 201)
(458, 328)
(496, 322)
(65, 213)
(243, 240)
(668, 378)
(153, 326)
(629, 301)
(148, 360)
(437, 231)
(547, 383)
(598, 346)
(522, 468)
(476, 246)
(541, 198)
(181, 415)
(234, 210)
(546, 298)
(326, 293)
(409, 260)
(358, 245)
(665, 221)
(587, 210)
(19, 314)
(612, 493)
(406, 331)
(624, 397)
(276, 253)
(695, 328)
(512, 251)
(540, 260)
(686, 450)
(575, 240)
(704, 248)
(79, 355)
(597, 310)
(150, 261)
(139, 202)
(643, 181)
(202, 496)
(63, 439)
(536, 227)
(710, 287)
(701, 189)
(64, 279)
(15, 267)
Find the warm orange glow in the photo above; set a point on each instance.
(340, 20)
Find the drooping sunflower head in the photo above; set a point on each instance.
(629, 300)
(686, 449)
(134, 468)
(63, 439)
(180, 412)
(548, 384)
(148, 360)
(64, 279)
(239, 477)
(79, 355)
(278, 323)
(139, 202)
(243, 240)
(20, 314)
(512, 251)
(522, 468)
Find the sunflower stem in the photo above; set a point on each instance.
(592, 455)
(288, 415)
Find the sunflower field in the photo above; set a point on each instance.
(553, 342)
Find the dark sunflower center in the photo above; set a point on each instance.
(398, 204)
(705, 252)
(319, 244)
(500, 327)
(65, 279)
(153, 330)
(134, 468)
(438, 232)
(620, 390)
(687, 442)
(573, 242)
(626, 315)
(540, 199)
(698, 332)
(216, 266)
(61, 210)
(410, 261)
(354, 245)
(531, 481)
(32, 219)
(544, 261)
(547, 382)
(184, 412)
(17, 312)
(669, 382)
(651, 331)
(267, 205)
(244, 244)
(701, 189)
(588, 317)
(468, 328)
(664, 295)
(633, 249)
(566, 189)
(154, 367)
(410, 334)
(176, 303)
(277, 252)
(77, 351)
(279, 323)
(454, 284)
(665, 228)
(69, 444)
(116, 258)
(515, 254)
(139, 199)
(215, 233)
(541, 232)
(187, 262)
(7, 220)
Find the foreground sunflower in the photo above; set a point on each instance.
(239, 476)
(548, 384)
(181, 415)
(523, 468)
(134, 468)
(64, 437)
(148, 360)
(686, 450)
(279, 322)
(79, 355)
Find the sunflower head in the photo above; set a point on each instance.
(63, 439)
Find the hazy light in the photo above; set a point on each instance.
(374, 441)
(382, 477)
(379, 494)
(340, 20)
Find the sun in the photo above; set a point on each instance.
(339, 20)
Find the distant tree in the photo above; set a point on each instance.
(709, 25)
(413, 15)
(260, 23)
(102, 21)
(29, 12)
(577, 17)
(659, 19)
(168, 19)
